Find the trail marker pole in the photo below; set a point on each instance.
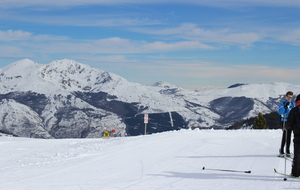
(145, 121)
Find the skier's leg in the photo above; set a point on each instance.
(281, 151)
(296, 160)
(288, 141)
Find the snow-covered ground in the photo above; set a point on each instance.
(169, 160)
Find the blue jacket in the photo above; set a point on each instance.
(285, 111)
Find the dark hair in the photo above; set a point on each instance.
(289, 93)
(298, 98)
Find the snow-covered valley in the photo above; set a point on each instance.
(168, 160)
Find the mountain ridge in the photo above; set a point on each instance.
(78, 101)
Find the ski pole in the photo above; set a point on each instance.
(248, 172)
(286, 135)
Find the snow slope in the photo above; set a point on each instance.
(162, 161)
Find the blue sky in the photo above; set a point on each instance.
(191, 43)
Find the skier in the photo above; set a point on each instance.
(284, 110)
(293, 123)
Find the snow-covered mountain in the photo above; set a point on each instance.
(69, 99)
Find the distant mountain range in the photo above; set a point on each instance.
(67, 99)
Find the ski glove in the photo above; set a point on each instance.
(286, 104)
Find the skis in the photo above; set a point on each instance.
(291, 155)
(226, 170)
(290, 158)
(286, 175)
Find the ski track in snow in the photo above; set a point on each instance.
(169, 160)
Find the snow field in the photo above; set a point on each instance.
(169, 160)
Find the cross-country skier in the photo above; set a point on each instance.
(284, 110)
(293, 123)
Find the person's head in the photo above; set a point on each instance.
(289, 96)
(298, 100)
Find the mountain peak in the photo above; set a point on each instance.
(164, 84)
(23, 62)
(68, 66)
(20, 67)
(236, 85)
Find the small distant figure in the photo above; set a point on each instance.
(284, 110)
(106, 134)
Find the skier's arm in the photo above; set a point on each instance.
(281, 109)
(291, 119)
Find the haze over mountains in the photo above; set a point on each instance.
(67, 99)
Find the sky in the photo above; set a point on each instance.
(191, 43)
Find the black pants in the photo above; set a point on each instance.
(286, 140)
(296, 160)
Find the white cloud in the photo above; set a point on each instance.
(212, 72)
(191, 32)
(108, 45)
(11, 35)
(18, 35)
(292, 37)
(115, 60)
(236, 72)
(183, 45)
(212, 69)
(48, 38)
(82, 19)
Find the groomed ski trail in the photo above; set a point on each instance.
(169, 160)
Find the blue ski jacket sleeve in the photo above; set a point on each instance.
(284, 111)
